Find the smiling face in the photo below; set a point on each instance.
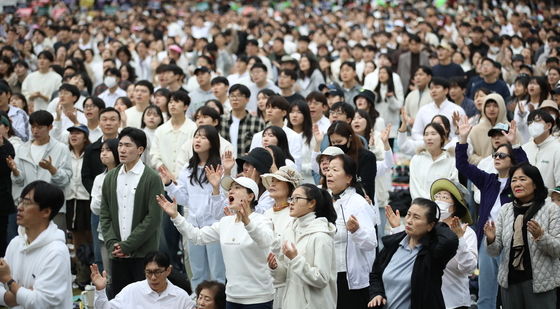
(522, 186)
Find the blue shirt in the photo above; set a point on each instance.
(397, 275)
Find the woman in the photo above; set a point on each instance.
(262, 98)
(526, 236)
(252, 165)
(307, 263)
(245, 239)
(310, 76)
(409, 145)
(206, 115)
(211, 295)
(408, 271)
(299, 120)
(388, 100)
(322, 161)
(365, 100)
(520, 94)
(196, 188)
(161, 100)
(19, 100)
(152, 118)
(122, 104)
(276, 136)
(493, 112)
(78, 212)
(341, 135)
(495, 191)
(431, 162)
(355, 239)
(538, 90)
(7, 153)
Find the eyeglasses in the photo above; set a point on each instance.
(443, 196)
(156, 273)
(293, 200)
(89, 106)
(500, 155)
(336, 113)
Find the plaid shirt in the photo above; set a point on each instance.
(248, 126)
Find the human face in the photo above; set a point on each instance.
(43, 63)
(347, 74)
(15, 101)
(438, 93)
(28, 212)
(522, 186)
(120, 106)
(432, 139)
(76, 138)
(534, 89)
(304, 64)
(487, 68)
(129, 152)
(106, 156)
(491, 110)
(176, 108)
(238, 101)
(109, 123)
(502, 164)
(258, 75)
(553, 77)
(337, 139)
(417, 222)
(161, 102)
(337, 180)
(275, 114)
(383, 76)
(39, 132)
(324, 164)
(300, 205)
(337, 115)
(203, 78)
(157, 276)
(479, 100)
(66, 98)
(414, 46)
(498, 139)
(296, 116)
(239, 193)
(362, 103)
(201, 143)
(206, 299)
(421, 79)
(285, 81)
(316, 109)
(4, 130)
(269, 138)
(219, 90)
(442, 54)
(152, 119)
(202, 120)
(278, 189)
(359, 124)
(456, 93)
(519, 89)
(141, 94)
(124, 73)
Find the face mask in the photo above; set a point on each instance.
(344, 148)
(536, 129)
(110, 81)
(444, 209)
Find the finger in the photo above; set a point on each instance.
(397, 213)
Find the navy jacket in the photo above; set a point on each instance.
(488, 184)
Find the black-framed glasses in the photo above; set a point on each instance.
(156, 272)
(293, 200)
(500, 155)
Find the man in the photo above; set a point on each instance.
(204, 91)
(174, 77)
(252, 49)
(333, 94)
(130, 216)
(286, 81)
(457, 95)
(318, 106)
(241, 75)
(410, 61)
(259, 82)
(155, 291)
(39, 86)
(143, 90)
(543, 150)
(18, 117)
(476, 41)
(36, 269)
(240, 126)
(490, 74)
(66, 114)
(420, 96)
(445, 67)
(63, 38)
(439, 88)
(277, 109)
(219, 87)
(113, 91)
(143, 61)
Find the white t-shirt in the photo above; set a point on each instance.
(233, 132)
(37, 152)
(498, 203)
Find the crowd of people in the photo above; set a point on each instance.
(245, 155)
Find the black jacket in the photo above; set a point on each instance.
(92, 165)
(6, 199)
(438, 247)
(367, 169)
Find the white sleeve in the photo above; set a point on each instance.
(179, 191)
(199, 236)
(96, 195)
(364, 237)
(261, 232)
(386, 165)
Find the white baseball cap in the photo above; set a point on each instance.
(242, 181)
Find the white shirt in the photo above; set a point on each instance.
(96, 196)
(133, 117)
(37, 152)
(75, 189)
(233, 133)
(495, 211)
(140, 295)
(167, 142)
(46, 84)
(427, 112)
(324, 123)
(126, 188)
(111, 97)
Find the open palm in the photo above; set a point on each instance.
(167, 206)
(214, 174)
(464, 127)
(99, 280)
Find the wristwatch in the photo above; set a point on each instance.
(9, 283)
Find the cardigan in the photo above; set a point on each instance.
(145, 220)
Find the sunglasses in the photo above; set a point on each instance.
(500, 155)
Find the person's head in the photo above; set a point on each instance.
(287, 79)
(5, 93)
(241, 189)
(112, 77)
(203, 76)
(277, 108)
(488, 68)
(503, 158)
(520, 86)
(109, 121)
(361, 124)
(300, 117)
(309, 198)
(434, 137)
(68, 94)
(540, 123)
(206, 140)
(318, 105)
(142, 91)
(444, 52)
(157, 268)
(262, 98)
(553, 76)
(282, 183)
(341, 111)
(325, 158)
(415, 43)
(443, 121)
(498, 135)
(19, 100)
(123, 103)
(152, 117)
(334, 94)
(308, 64)
(538, 87)
(219, 86)
(258, 158)
(365, 99)
(259, 73)
(274, 135)
(479, 96)
(239, 97)
(341, 135)
(527, 184)
(457, 87)
(451, 198)
(40, 203)
(128, 72)
(92, 107)
(44, 60)
(41, 124)
(109, 154)
(439, 88)
(421, 218)
(132, 143)
(341, 174)
(78, 137)
(494, 107)
(422, 77)
(206, 115)
(161, 98)
(211, 295)
(348, 72)
(178, 104)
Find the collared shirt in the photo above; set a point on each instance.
(248, 126)
(111, 97)
(324, 123)
(140, 295)
(398, 273)
(167, 142)
(126, 188)
(427, 112)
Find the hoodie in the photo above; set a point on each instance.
(478, 137)
(42, 268)
(310, 277)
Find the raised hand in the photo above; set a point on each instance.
(457, 228)
(228, 162)
(385, 136)
(166, 176)
(490, 231)
(271, 260)
(404, 121)
(455, 118)
(252, 173)
(352, 224)
(512, 133)
(242, 210)
(289, 250)
(214, 175)
(393, 217)
(318, 135)
(169, 208)
(377, 301)
(464, 129)
(99, 280)
(47, 164)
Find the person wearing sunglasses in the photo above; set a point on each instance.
(495, 191)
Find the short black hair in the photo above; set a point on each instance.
(108, 110)
(146, 84)
(439, 81)
(278, 101)
(543, 115)
(180, 96)
(159, 257)
(136, 135)
(210, 112)
(244, 90)
(259, 65)
(113, 71)
(41, 118)
(290, 73)
(47, 54)
(98, 102)
(345, 108)
(219, 80)
(5, 88)
(458, 81)
(22, 63)
(73, 89)
(541, 192)
(425, 69)
(45, 195)
(433, 213)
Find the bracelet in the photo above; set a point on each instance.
(9, 283)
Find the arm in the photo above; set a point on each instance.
(199, 236)
(443, 245)
(364, 237)
(473, 173)
(467, 252)
(549, 242)
(179, 191)
(395, 103)
(367, 172)
(105, 219)
(96, 195)
(21, 127)
(319, 274)
(407, 144)
(261, 232)
(386, 165)
(155, 151)
(495, 248)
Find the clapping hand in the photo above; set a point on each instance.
(99, 280)
(167, 206)
(377, 301)
(289, 250)
(11, 164)
(318, 135)
(352, 225)
(393, 217)
(242, 211)
(228, 162)
(535, 229)
(490, 231)
(457, 228)
(385, 136)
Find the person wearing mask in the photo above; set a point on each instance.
(113, 92)
(245, 239)
(526, 235)
(307, 264)
(143, 91)
(420, 95)
(355, 240)
(538, 91)
(495, 191)
(408, 271)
